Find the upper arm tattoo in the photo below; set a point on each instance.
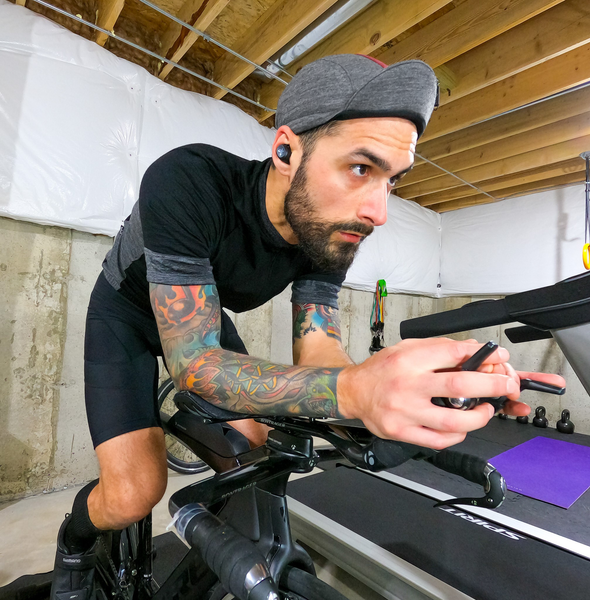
(189, 323)
(308, 318)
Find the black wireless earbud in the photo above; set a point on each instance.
(284, 153)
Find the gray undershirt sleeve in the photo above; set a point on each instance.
(178, 270)
(312, 291)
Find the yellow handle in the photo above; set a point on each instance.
(586, 256)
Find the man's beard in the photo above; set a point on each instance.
(314, 234)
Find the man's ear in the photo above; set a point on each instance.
(286, 152)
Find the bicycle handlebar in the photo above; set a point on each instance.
(235, 559)
(355, 443)
(483, 313)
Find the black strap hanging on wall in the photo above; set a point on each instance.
(377, 317)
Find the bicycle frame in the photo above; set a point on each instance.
(251, 488)
(248, 491)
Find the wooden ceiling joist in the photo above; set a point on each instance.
(530, 176)
(552, 110)
(547, 135)
(379, 23)
(554, 32)
(271, 32)
(515, 76)
(528, 160)
(514, 164)
(108, 13)
(177, 40)
(465, 27)
(555, 75)
(512, 192)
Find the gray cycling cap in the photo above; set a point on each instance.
(353, 86)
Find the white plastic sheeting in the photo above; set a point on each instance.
(405, 252)
(513, 245)
(79, 126)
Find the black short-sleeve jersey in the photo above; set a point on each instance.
(201, 219)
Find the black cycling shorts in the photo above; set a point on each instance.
(121, 366)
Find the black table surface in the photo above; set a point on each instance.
(497, 437)
(485, 560)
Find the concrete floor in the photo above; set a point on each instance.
(29, 527)
(29, 530)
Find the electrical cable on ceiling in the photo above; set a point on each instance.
(153, 54)
(540, 101)
(457, 177)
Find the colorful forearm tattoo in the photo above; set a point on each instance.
(189, 322)
(315, 317)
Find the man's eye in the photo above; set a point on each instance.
(360, 170)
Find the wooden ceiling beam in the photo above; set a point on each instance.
(548, 135)
(575, 165)
(512, 192)
(474, 200)
(177, 40)
(271, 32)
(525, 119)
(463, 28)
(108, 13)
(553, 76)
(430, 186)
(462, 191)
(528, 160)
(554, 32)
(377, 24)
(514, 164)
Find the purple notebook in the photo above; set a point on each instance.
(545, 469)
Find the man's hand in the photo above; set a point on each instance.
(512, 407)
(391, 391)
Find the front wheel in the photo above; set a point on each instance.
(179, 458)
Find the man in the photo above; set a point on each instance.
(213, 231)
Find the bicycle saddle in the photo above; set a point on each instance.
(195, 405)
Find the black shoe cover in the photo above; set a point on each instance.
(73, 575)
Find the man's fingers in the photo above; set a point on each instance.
(429, 438)
(466, 384)
(442, 353)
(516, 409)
(544, 377)
(450, 420)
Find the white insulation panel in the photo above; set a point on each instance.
(79, 126)
(514, 245)
(405, 252)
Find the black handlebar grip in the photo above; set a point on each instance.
(474, 315)
(235, 559)
(386, 454)
(467, 466)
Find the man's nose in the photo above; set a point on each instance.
(373, 210)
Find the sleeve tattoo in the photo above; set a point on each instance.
(308, 318)
(189, 321)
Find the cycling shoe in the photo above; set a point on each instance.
(73, 575)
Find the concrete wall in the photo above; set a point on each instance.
(46, 276)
